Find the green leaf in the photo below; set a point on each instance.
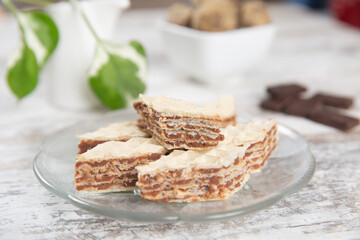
(39, 37)
(116, 75)
(22, 73)
(138, 47)
(41, 34)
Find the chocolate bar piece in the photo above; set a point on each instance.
(334, 101)
(276, 104)
(286, 98)
(284, 90)
(303, 108)
(272, 104)
(334, 119)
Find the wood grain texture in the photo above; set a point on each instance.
(327, 208)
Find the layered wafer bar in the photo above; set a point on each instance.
(114, 132)
(260, 135)
(110, 166)
(190, 176)
(179, 124)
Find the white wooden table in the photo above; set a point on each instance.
(310, 48)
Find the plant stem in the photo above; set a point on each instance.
(77, 7)
(9, 5)
(42, 3)
(12, 8)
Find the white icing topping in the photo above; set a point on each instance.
(115, 132)
(114, 149)
(221, 156)
(223, 107)
(254, 131)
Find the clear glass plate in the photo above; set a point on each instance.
(289, 168)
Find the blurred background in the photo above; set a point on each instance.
(311, 42)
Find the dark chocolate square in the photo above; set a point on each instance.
(334, 100)
(303, 108)
(334, 119)
(284, 90)
(272, 104)
(276, 104)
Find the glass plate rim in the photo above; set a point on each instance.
(166, 218)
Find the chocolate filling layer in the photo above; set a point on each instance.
(94, 175)
(87, 145)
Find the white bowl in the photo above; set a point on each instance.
(208, 56)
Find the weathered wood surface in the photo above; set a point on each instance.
(311, 48)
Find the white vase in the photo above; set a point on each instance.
(66, 71)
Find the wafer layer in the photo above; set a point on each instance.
(180, 124)
(195, 175)
(113, 132)
(261, 135)
(110, 166)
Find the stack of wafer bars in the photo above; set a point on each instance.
(210, 174)
(324, 108)
(194, 166)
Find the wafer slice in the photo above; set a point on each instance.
(114, 132)
(261, 135)
(212, 174)
(179, 124)
(110, 166)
